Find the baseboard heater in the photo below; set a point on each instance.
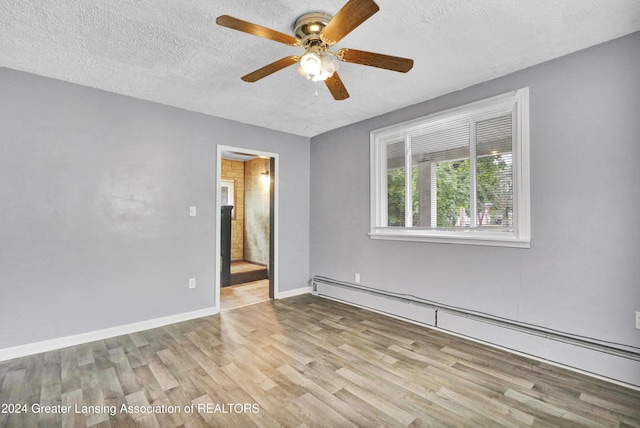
(327, 287)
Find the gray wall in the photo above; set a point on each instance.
(95, 190)
(582, 272)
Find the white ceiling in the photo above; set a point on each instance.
(172, 52)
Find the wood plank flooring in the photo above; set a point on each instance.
(301, 362)
(248, 293)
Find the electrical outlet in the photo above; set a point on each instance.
(192, 283)
(357, 278)
(638, 320)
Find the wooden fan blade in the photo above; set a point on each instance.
(256, 30)
(271, 68)
(336, 87)
(387, 62)
(352, 14)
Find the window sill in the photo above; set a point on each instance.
(467, 237)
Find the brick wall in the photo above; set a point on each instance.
(234, 170)
(256, 212)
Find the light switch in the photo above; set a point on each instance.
(192, 211)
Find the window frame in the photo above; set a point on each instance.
(514, 102)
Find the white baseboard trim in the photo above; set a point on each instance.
(294, 292)
(92, 336)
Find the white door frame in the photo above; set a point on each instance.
(275, 156)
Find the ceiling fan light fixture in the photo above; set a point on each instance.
(311, 64)
(317, 66)
(329, 65)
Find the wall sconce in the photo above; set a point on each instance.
(264, 177)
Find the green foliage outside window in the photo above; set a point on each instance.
(493, 186)
(494, 182)
(396, 195)
(452, 182)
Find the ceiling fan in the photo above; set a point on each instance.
(316, 32)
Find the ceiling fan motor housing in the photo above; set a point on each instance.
(309, 26)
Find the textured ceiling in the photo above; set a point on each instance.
(173, 53)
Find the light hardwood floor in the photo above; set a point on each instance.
(248, 293)
(304, 361)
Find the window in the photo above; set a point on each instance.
(459, 176)
(228, 194)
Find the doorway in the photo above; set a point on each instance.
(246, 244)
